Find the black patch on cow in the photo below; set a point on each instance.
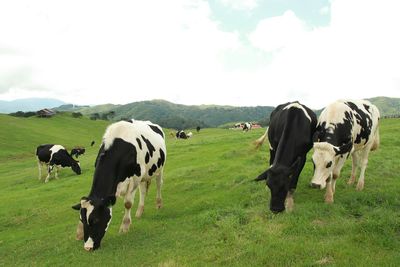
(364, 120)
(367, 108)
(157, 130)
(161, 159)
(152, 170)
(149, 145)
(147, 158)
(335, 134)
(139, 143)
(43, 152)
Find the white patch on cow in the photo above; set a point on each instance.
(109, 221)
(323, 154)
(89, 243)
(122, 187)
(54, 149)
(89, 208)
(297, 105)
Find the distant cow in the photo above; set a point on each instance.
(77, 151)
(55, 156)
(92, 143)
(182, 135)
(198, 128)
(247, 126)
(290, 134)
(344, 128)
(131, 154)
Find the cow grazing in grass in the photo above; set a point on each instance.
(344, 128)
(55, 156)
(77, 151)
(182, 135)
(290, 134)
(247, 126)
(131, 154)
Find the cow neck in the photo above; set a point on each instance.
(104, 181)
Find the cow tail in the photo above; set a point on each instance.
(258, 143)
(377, 141)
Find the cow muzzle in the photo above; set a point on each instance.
(314, 185)
(88, 249)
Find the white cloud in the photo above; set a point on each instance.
(324, 10)
(240, 4)
(357, 56)
(93, 52)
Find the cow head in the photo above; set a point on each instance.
(75, 165)
(324, 158)
(95, 215)
(278, 180)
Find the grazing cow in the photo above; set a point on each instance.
(92, 143)
(55, 156)
(247, 126)
(77, 151)
(131, 154)
(344, 128)
(198, 128)
(290, 134)
(181, 135)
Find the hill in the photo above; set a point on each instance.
(213, 214)
(28, 104)
(387, 106)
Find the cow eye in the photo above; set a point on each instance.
(329, 164)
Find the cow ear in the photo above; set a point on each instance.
(344, 148)
(109, 201)
(263, 176)
(77, 206)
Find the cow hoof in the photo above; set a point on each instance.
(159, 203)
(360, 186)
(329, 200)
(124, 229)
(350, 181)
(139, 212)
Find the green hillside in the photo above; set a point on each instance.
(213, 214)
(387, 106)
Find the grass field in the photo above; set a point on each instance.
(212, 216)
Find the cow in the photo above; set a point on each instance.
(77, 151)
(290, 134)
(92, 143)
(131, 154)
(247, 126)
(198, 128)
(182, 135)
(55, 156)
(344, 128)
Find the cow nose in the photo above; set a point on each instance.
(314, 185)
(88, 249)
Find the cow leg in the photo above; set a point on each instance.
(355, 158)
(329, 191)
(289, 201)
(128, 202)
(142, 191)
(49, 169)
(56, 174)
(159, 181)
(79, 231)
(364, 162)
(40, 170)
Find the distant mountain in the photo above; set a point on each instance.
(28, 104)
(388, 106)
(70, 108)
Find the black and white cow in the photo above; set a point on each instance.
(131, 154)
(198, 128)
(77, 151)
(247, 126)
(55, 156)
(344, 128)
(182, 135)
(290, 134)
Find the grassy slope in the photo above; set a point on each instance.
(212, 215)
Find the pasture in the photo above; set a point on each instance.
(213, 214)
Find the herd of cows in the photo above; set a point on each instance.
(133, 152)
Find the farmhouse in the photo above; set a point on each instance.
(45, 113)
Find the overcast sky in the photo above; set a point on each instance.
(228, 52)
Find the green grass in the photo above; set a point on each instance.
(212, 216)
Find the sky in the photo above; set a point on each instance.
(225, 52)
